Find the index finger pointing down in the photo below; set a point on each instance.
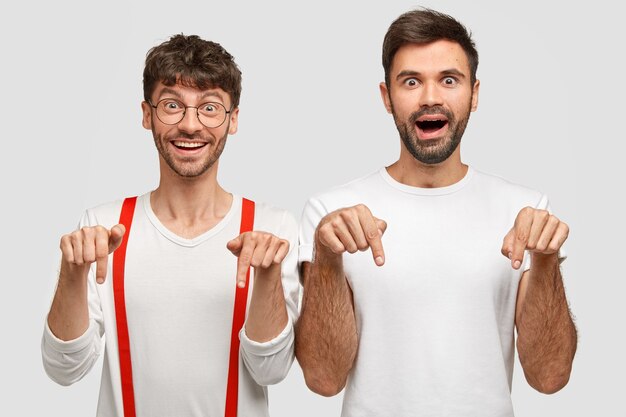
(373, 236)
(243, 262)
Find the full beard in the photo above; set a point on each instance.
(187, 168)
(431, 151)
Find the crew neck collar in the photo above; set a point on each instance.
(435, 191)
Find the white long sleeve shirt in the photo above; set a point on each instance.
(179, 303)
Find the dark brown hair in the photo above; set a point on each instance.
(425, 26)
(193, 62)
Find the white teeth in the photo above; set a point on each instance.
(188, 144)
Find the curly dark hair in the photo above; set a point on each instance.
(194, 62)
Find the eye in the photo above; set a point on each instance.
(450, 81)
(213, 110)
(171, 105)
(411, 82)
(209, 108)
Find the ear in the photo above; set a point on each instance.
(384, 94)
(234, 117)
(146, 110)
(475, 95)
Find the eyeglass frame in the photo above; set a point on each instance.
(149, 101)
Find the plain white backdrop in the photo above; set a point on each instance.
(550, 116)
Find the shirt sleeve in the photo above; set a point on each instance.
(313, 212)
(269, 362)
(66, 362)
(544, 204)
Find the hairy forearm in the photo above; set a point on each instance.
(69, 313)
(267, 314)
(546, 333)
(326, 336)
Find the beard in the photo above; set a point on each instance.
(187, 167)
(436, 150)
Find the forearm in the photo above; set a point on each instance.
(267, 341)
(267, 314)
(68, 318)
(546, 333)
(326, 336)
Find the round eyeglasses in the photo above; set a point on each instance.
(171, 111)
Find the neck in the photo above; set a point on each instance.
(190, 206)
(409, 171)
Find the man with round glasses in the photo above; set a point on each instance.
(165, 276)
(171, 112)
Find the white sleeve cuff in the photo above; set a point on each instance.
(74, 345)
(271, 347)
(305, 253)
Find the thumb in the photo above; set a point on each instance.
(507, 244)
(382, 226)
(115, 237)
(235, 245)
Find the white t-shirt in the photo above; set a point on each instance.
(179, 302)
(436, 321)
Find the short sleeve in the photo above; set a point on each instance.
(313, 212)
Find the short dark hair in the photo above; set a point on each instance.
(194, 62)
(425, 26)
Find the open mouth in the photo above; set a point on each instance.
(431, 126)
(188, 146)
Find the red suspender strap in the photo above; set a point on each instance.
(123, 341)
(239, 315)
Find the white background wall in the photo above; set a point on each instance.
(551, 116)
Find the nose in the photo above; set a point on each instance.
(190, 122)
(431, 96)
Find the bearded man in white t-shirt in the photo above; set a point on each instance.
(426, 326)
(170, 293)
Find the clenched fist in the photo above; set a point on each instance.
(350, 229)
(91, 244)
(261, 250)
(534, 230)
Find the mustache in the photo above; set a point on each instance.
(431, 110)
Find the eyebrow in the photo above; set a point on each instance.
(204, 95)
(449, 71)
(169, 91)
(211, 94)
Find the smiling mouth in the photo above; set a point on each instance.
(188, 146)
(429, 126)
